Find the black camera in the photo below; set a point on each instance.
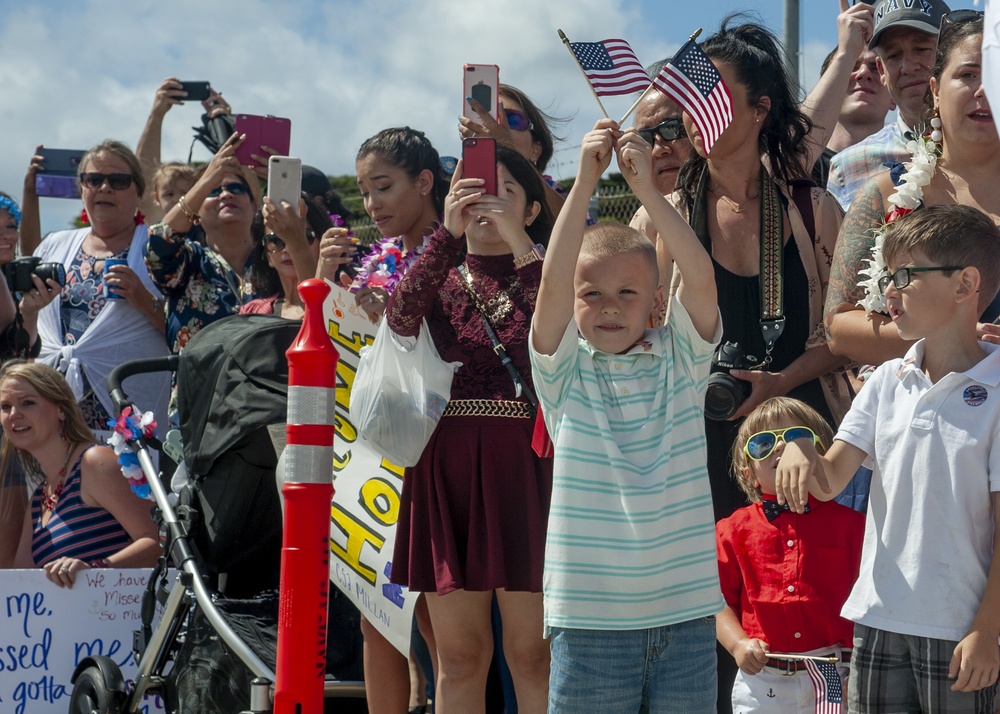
(18, 273)
(725, 393)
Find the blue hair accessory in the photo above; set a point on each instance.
(7, 203)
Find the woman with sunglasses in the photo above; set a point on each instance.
(285, 254)
(522, 126)
(958, 118)
(799, 612)
(206, 282)
(109, 310)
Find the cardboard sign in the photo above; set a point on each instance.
(46, 630)
(366, 493)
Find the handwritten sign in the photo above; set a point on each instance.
(45, 631)
(366, 493)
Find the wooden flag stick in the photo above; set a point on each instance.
(565, 40)
(799, 658)
(642, 96)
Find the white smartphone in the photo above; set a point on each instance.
(481, 82)
(284, 180)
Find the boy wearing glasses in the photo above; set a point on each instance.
(785, 575)
(630, 578)
(927, 600)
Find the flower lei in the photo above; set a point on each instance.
(128, 427)
(906, 199)
(385, 265)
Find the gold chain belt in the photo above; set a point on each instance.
(488, 407)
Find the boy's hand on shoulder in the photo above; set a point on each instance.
(596, 149)
(976, 662)
(751, 654)
(798, 462)
(635, 161)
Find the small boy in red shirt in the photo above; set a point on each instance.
(785, 575)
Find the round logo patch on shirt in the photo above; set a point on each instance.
(974, 395)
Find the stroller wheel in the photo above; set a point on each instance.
(92, 695)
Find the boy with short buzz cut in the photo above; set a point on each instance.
(927, 600)
(785, 575)
(631, 584)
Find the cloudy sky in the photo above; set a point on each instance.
(74, 72)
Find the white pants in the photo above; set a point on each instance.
(784, 692)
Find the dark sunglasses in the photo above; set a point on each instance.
(761, 445)
(669, 130)
(957, 17)
(118, 182)
(901, 278)
(274, 244)
(518, 121)
(235, 188)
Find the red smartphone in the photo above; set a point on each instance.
(479, 160)
(274, 132)
(482, 83)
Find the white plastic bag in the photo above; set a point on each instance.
(400, 390)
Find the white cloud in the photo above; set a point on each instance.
(74, 73)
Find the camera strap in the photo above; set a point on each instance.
(772, 249)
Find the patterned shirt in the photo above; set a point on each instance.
(856, 164)
(198, 283)
(631, 534)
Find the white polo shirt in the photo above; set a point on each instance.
(631, 535)
(936, 461)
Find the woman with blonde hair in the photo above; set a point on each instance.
(82, 513)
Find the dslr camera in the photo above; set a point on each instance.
(18, 273)
(725, 393)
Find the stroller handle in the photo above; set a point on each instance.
(129, 369)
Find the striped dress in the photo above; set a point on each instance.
(74, 529)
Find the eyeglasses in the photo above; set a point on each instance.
(761, 445)
(901, 278)
(518, 121)
(235, 188)
(957, 17)
(118, 182)
(274, 244)
(669, 130)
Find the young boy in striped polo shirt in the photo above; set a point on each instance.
(631, 584)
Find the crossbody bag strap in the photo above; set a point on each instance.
(520, 386)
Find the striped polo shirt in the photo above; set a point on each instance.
(631, 532)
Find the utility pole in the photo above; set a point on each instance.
(792, 39)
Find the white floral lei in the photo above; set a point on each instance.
(906, 198)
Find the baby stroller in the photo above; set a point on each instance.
(214, 647)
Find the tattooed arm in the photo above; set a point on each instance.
(853, 334)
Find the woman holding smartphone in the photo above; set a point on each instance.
(473, 509)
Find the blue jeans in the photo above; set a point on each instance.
(664, 669)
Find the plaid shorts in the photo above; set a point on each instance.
(901, 673)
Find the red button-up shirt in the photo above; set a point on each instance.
(787, 579)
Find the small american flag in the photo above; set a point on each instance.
(691, 80)
(611, 66)
(826, 685)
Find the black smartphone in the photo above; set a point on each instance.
(479, 160)
(58, 177)
(196, 91)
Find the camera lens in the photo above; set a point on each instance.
(724, 396)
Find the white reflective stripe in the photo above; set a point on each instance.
(311, 405)
(308, 464)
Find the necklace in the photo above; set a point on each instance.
(49, 502)
(734, 206)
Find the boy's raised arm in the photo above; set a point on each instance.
(554, 307)
(697, 290)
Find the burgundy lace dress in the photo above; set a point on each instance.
(474, 508)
